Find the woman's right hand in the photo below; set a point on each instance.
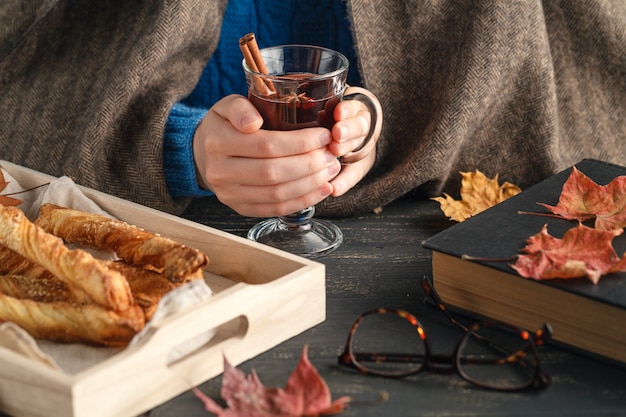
(257, 172)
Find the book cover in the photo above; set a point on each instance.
(583, 315)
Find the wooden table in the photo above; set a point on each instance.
(380, 263)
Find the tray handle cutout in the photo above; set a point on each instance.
(216, 339)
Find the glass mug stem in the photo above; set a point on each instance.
(300, 220)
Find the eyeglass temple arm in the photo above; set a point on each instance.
(541, 336)
(429, 289)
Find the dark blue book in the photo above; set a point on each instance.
(588, 317)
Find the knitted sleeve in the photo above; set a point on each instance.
(178, 163)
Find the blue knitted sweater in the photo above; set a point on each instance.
(275, 22)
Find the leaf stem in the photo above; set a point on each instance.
(479, 259)
(534, 213)
(26, 190)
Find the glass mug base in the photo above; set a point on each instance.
(310, 239)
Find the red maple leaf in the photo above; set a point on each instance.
(305, 395)
(583, 251)
(582, 199)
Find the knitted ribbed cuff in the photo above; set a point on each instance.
(178, 163)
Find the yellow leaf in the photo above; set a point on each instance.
(478, 193)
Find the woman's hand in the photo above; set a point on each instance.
(350, 130)
(265, 173)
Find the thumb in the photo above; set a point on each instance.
(240, 112)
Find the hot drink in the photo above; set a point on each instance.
(291, 107)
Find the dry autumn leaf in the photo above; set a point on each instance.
(5, 199)
(478, 193)
(305, 395)
(583, 251)
(582, 199)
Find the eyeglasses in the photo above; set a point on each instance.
(490, 354)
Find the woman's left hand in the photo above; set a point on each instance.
(350, 130)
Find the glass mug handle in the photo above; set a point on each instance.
(365, 147)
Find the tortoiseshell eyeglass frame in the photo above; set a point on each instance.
(538, 379)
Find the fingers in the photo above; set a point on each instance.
(353, 124)
(275, 171)
(264, 173)
(351, 129)
(351, 174)
(242, 114)
(265, 157)
(260, 172)
(280, 199)
(276, 186)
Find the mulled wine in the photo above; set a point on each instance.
(292, 107)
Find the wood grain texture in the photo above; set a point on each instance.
(380, 263)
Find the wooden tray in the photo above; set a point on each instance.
(263, 297)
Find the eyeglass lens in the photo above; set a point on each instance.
(388, 344)
(495, 356)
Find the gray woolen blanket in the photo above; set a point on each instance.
(521, 89)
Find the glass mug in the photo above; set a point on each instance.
(301, 89)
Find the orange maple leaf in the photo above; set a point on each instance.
(5, 199)
(478, 193)
(305, 395)
(583, 251)
(582, 199)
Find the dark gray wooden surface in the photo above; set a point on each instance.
(380, 264)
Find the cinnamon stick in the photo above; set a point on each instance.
(254, 60)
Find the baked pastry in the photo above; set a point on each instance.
(69, 322)
(148, 287)
(67, 295)
(132, 244)
(75, 267)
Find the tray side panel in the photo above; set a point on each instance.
(25, 385)
(250, 319)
